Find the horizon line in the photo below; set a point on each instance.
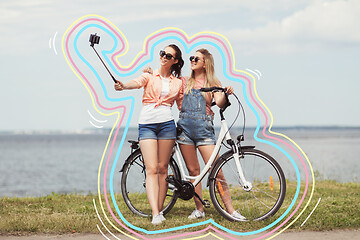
(105, 129)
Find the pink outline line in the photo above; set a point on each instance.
(124, 110)
(103, 107)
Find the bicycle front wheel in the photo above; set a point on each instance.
(133, 186)
(262, 200)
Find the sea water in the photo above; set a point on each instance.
(37, 164)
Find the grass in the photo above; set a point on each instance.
(69, 213)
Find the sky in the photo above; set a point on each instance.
(308, 53)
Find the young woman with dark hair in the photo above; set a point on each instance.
(157, 130)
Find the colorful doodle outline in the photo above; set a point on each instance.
(96, 17)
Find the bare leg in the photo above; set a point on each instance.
(164, 151)
(206, 151)
(192, 163)
(149, 150)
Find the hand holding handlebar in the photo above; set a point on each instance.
(220, 89)
(229, 90)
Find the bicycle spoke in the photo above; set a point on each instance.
(260, 200)
(141, 164)
(236, 175)
(133, 184)
(259, 190)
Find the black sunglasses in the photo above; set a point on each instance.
(168, 56)
(196, 59)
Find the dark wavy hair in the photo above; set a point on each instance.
(176, 68)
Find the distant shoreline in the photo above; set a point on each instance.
(108, 130)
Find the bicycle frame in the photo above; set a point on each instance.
(224, 134)
(258, 204)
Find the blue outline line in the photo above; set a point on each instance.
(187, 49)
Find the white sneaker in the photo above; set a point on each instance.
(237, 215)
(156, 219)
(162, 216)
(196, 214)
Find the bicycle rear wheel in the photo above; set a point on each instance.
(268, 185)
(133, 185)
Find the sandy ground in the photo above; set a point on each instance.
(304, 235)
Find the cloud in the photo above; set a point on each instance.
(251, 26)
(26, 26)
(320, 25)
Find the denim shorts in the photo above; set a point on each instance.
(195, 132)
(164, 130)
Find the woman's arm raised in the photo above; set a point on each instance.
(119, 86)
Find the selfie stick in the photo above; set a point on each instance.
(94, 39)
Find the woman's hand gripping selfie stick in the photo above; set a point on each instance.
(94, 39)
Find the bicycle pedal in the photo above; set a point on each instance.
(206, 203)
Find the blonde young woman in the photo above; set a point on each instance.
(157, 130)
(195, 125)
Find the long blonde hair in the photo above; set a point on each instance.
(210, 78)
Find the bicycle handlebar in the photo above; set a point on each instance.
(219, 89)
(213, 89)
(227, 104)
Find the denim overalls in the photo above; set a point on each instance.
(195, 127)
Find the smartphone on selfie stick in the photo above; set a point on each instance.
(95, 39)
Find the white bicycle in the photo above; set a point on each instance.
(254, 182)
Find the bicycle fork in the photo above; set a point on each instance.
(247, 186)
